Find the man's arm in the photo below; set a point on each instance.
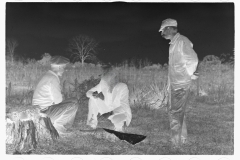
(189, 57)
(55, 91)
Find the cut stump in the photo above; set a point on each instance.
(26, 127)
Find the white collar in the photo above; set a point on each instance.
(174, 38)
(54, 74)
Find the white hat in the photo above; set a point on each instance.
(168, 22)
(59, 61)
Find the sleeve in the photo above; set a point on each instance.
(190, 58)
(96, 88)
(55, 91)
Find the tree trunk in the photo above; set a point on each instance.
(82, 62)
(26, 128)
(12, 58)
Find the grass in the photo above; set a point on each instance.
(210, 131)
(210, 119)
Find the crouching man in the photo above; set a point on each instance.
(48, 96)
(109, 96)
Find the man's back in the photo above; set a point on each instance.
(48, 91)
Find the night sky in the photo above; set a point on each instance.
(123, 30)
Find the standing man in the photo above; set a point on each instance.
(109, 96)
(182, 64)
(48, 96)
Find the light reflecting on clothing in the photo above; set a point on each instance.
(116, 101)
(62, 115)
(177, 117)
(182, 61)
(48, 91)
(182, 64)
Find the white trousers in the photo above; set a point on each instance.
(63, 114)
(97, 106)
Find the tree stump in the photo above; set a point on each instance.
(26, 126)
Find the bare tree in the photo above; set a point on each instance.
(83, 48)
(11, 45)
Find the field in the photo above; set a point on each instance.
(210, 112)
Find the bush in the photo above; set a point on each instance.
(80, 89)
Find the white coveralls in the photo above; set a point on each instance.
(183, 62)
(117, 101)
(48, 96)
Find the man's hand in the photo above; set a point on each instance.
(98, 95)
(95, 94)
(195, 76)
(101, 96)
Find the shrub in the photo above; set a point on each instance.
(80, 89)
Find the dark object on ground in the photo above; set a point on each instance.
(128, 137)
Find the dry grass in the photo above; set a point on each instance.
(210, 131)
(209, 118)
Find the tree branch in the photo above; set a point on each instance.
(83, 47)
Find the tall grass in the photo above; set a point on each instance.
(217, 79)
(210, 118)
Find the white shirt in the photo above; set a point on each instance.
(48, 91)
(117, 99)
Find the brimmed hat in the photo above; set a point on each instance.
(59, 61)
(168, 22)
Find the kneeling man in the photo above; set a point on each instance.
(109, 96)
(48, 96)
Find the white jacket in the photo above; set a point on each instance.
(48, 91)
(118, 100)
(183, 61)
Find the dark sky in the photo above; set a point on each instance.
(123, 30)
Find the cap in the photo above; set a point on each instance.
(168, 22)
(59, 60)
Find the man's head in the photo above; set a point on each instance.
(58, 64)
(110, 76)
(168, 28)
